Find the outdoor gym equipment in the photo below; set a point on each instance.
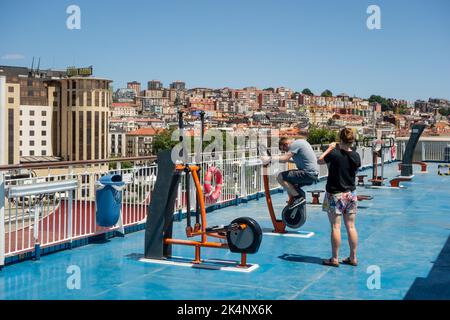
(444, 172)
(407, 159)
(379, 147)
(243, 235)
(292, 217)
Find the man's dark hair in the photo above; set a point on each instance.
(282, 141)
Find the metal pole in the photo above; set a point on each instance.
(2, 220)
(202, 120)
(184, 154)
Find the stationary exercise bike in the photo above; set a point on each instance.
(379, 147)
(292, 217)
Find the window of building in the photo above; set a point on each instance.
(44, 123)
(10, 100)
(10, 89)
(31, 152)
(81, 135)
(31, 133)
(43, 142)
(89, 99)
(74, 132)
(103, 146)
(20, 112)
(20, 132)
(74, 84)
(44, 113)
(97, 135)
(89, 135)
(20, 122)
(32, 113)
(20, 143)
(74, 98)
(80, 99)
(44, 152)
(97, 99)
(30, 93)
(55, 103)
(55, 94)
(32, 143)
(10, 136)
(31, 122)
(44, 133)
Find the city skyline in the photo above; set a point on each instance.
(306, 45)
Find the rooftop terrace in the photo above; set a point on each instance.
(404, 232)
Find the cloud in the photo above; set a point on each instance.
(13, 56)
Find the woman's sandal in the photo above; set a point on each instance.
(349, 262)
(330, 263)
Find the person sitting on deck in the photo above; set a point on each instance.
(340, 197)
(302, 154)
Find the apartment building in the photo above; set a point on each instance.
(155, 85)
(48, 113)
(9, 121)
(136, 86)
(117, 140)
(121, 109)
(139, 142)
(178, 85)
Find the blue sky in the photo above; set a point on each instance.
(237, 43)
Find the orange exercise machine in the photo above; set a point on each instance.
(293, 218)
(243, 235)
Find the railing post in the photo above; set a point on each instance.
(121, 229)
(70, 219)
(37, 245)
(423, 151)
(243, 187)
(2, 220)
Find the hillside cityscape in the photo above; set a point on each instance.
(57, 115)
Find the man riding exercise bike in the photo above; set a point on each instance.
(302, 154)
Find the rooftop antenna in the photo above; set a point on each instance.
(32, 65)
(39, 64)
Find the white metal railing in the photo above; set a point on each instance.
(55, 217)
(426, 150)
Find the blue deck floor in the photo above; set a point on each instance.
(404, 232)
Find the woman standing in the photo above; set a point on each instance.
(340, 197)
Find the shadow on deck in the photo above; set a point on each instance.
(437, 285)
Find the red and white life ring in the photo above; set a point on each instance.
(213, 194)
(393, 152)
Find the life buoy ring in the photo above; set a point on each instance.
(393, 152)
(213, 194)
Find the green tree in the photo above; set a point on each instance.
(307, 92)
(316, 135)
(327, 93)
(163, 141)
(444, 111)
(386, 104)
